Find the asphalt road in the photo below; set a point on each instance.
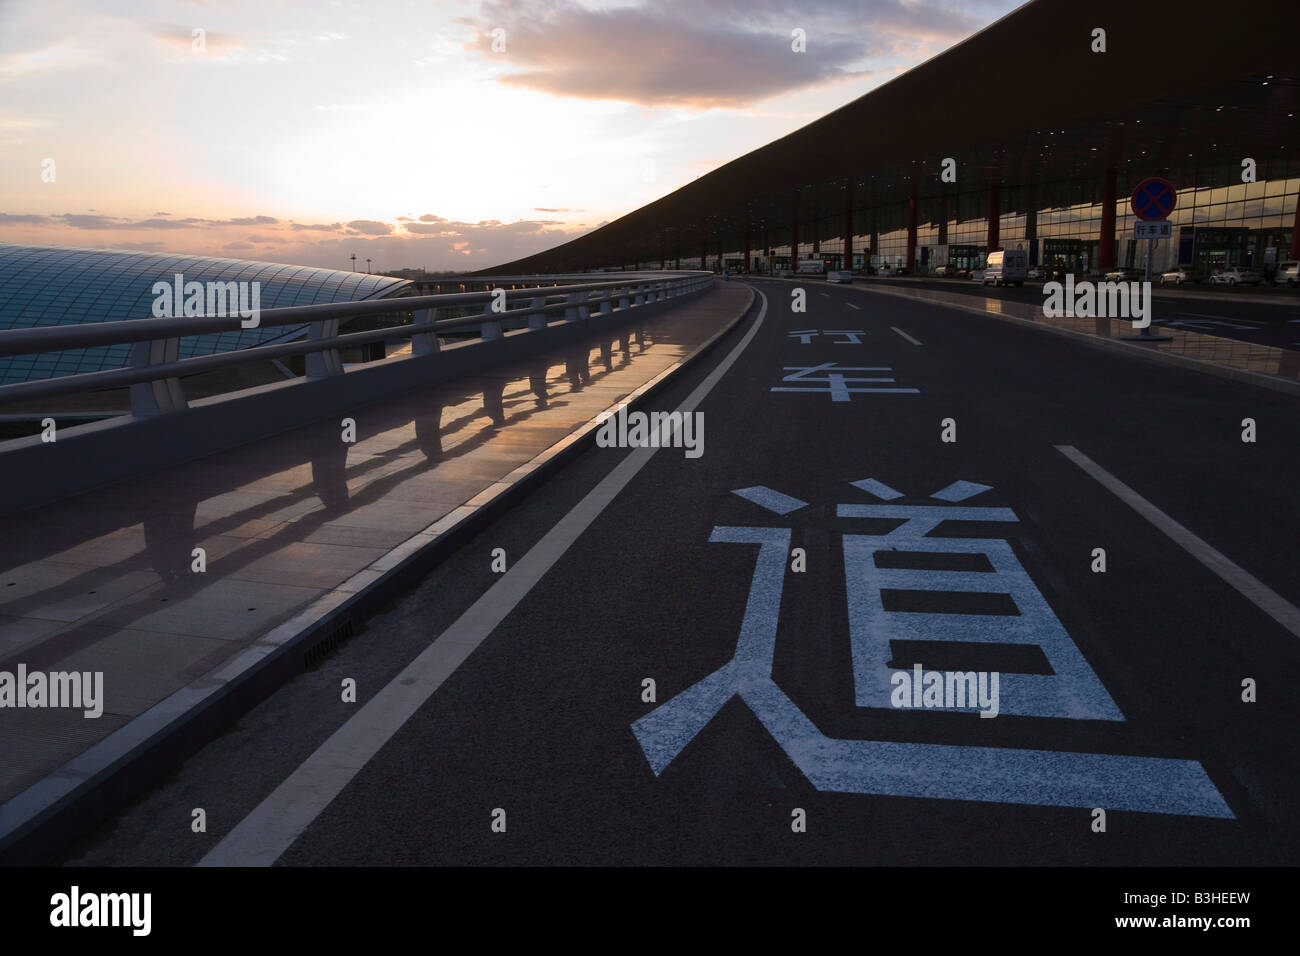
(1119, 691)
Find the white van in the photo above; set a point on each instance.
(1006, 267)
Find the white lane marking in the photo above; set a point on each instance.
(1225, 318)
(855, 308)
(904, 335)
(1251, 588)
(275, 823)
(826, 294)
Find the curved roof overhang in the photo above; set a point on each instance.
(1181, 89)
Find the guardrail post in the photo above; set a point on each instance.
(572, 310)
(640, 295)
(623, 298)
(425, 343)
(325, 363)
(491, 327)
(537, 318)
(607, 302)
(161, 395)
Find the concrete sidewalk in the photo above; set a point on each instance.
(291, 527)
(1277, 295)
(1263, 365)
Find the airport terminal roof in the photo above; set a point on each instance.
(1180, 89)
(56, 285)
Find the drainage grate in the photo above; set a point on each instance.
(327, 645)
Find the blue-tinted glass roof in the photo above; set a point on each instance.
(59, 285)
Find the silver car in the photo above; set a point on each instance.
(1181, 275)
(1236, 277)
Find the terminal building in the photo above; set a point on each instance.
(1030, 134)
(56, 285)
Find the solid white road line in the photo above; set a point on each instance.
(904, 335)
(1224, 318)
(1254, 590)
(855, 308)
(274, 824)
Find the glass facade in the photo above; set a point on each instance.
(1246, 225)
(52, 285)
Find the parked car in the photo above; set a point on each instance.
(1123, 275)
(1181, 275)
(1236, 277)
(1287, 272)
(1036, 272)
(945, 270)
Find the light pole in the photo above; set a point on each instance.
(354, 262)
(367, 267)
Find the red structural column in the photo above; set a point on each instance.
(1106, 238)
(747, 242)
(1295, 232)
(911, 226)
(848, 223)
(994, 240)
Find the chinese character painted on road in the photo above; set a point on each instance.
(897, 768)
(851, 336)
(834, 382)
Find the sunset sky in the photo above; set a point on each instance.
(307, 132)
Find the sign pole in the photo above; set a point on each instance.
(1151, 250)
(1152, 201)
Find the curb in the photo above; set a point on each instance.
(67, 803)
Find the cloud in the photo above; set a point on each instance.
(84, 221)
(57, 57)
(88, 221)
(437, 243)
(180, 39)
(429, 229)
(369, 227)
(724, 53)
(9, 218)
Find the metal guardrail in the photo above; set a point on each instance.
(154, 372)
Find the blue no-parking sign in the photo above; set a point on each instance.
(1154, 198)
